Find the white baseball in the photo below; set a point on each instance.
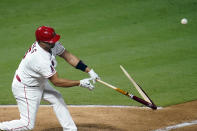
(184, 21)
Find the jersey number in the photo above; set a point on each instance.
(31, 50)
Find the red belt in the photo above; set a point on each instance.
(18, 78)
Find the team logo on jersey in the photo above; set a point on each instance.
(52, 69)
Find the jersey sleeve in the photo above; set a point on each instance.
(58, 49)
(46, 69)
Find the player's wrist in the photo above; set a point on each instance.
(78, 82)
(81, 66)
(87, 70)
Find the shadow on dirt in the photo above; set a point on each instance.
(89, 127)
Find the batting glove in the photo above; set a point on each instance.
(86, 83)
(93, 75)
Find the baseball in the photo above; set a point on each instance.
(184, 21)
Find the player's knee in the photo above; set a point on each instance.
(59, 98)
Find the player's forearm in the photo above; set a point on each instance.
(70, 58)
(74, 61)
(66, 83)
(61, 82)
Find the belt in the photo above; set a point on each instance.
(19, 79)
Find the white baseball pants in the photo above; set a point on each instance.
(28, 100)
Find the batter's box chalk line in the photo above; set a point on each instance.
(178, 126)
(106, 106)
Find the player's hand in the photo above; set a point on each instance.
(86, 83)
(93, 75)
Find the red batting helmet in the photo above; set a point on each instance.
(46, 34)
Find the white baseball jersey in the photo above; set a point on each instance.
(38, 64)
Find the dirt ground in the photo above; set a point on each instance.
(113, 119)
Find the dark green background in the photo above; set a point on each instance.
(146, 37)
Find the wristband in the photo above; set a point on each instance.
(81, 66)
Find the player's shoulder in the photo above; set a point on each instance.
(43, 58)
(40, 55)
(41, 62)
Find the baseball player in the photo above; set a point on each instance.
(30, 83)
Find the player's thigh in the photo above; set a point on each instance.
(51, 95)
(28, 100)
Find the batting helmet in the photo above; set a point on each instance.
(46, 34)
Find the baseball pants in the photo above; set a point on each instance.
(28, 100)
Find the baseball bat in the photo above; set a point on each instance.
(139, 89)
(129, 95)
